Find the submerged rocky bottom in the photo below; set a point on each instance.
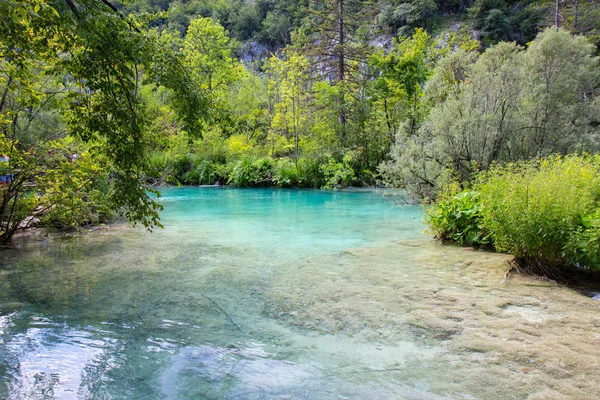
(412, 320)
(122, 313)
(476, 334)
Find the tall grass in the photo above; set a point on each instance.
(544, 212)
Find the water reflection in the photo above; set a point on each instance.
(51, 360)
(48, 360)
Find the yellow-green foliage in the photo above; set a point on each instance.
(544, 212)
(536, 210)
(74, 187)
(457, 217)
(237, 145)
(208, 54)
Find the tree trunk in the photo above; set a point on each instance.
(413, 121)
(341, 67)
(341, 39)
(5, 94)
(391, 131)
(575, 15)
(296, 149)
(556, 15)
(295, 116)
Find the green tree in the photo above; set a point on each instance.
(290, 110)
(404, 71)
(247, 98)
(511, 104)
(559, 98)
(99, 56)
(408, 15)
(335, 39)
(208, 54)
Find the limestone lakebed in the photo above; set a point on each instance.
(519, 338)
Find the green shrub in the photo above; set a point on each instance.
(180, 165)
(309, 173)
(337, 174)
(534, 210)
(186, 169)
(263, 171)
(206, 172)
(458, 218)
(222, 172)
(285, 173)
(191, 177)
(75, 207)
(248, 171)
(158, 164)
(241, 173)
(583, 247)
(545, 212)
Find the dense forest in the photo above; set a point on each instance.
(102, 102)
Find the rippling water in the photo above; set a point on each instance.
(283, 294)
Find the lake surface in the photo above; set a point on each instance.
(285, 294)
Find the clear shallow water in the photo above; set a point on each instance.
(252, 294)
(179, 312)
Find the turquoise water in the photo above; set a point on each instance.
(182, 312)
(287, 222)
(285, 294)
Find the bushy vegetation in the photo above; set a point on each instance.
(457, 217)
(248, 171)
(544, 212)
(91, 97)
(338, 174)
